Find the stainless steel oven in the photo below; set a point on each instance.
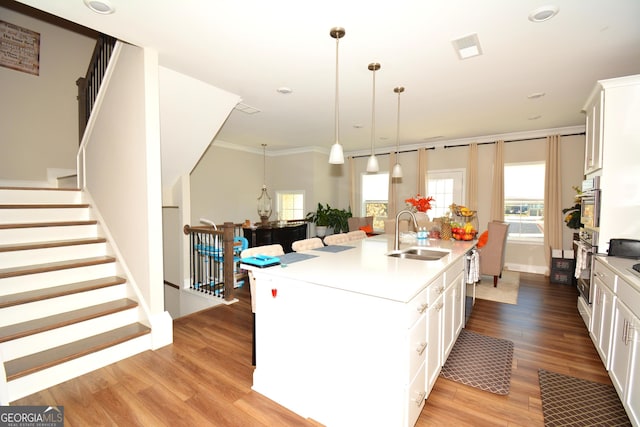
(590, 204)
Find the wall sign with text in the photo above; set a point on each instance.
(19, 48)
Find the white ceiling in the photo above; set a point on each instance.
(253, 47)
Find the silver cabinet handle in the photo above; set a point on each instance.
(421, 347)
(422, 307)
(439, 307)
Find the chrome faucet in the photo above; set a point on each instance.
(397, 236)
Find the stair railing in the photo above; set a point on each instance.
(211, 260)
(89, 85)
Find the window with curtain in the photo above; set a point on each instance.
(290, 205)
(524, 201)
(446, 186)
(375, 198)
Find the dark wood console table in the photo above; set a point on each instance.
(282, 234)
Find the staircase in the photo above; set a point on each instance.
(65, 309)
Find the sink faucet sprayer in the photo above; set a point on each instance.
(397, 236)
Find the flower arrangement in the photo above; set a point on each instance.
(419, 203)
(572, 217)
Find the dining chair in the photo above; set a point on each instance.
(356, 235)
(336, 239)
(307, 244)
(492, 254)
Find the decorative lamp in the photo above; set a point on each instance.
(397, 169)
(336, 156)
(372, 163)
(264, 201)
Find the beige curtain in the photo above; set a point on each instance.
(391, 209)
(497, 190)
(472, 177)
(422, 172)
(552, 197)
(352, 184)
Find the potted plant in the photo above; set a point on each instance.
(572, 217)
(320, 218)
(339, 220)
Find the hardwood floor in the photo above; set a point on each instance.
(205, 376)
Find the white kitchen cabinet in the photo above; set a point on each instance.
(453, 307)
(594, 130)
(610, 275)
(434, 342)
(604, 286)
(612, 152)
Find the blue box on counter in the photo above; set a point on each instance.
(261, 261)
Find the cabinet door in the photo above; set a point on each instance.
(453, 314)
(632, 397)
(593, 140)
(434, 342)
(621, 347)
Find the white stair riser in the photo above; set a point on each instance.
(47, 255)
(49, 307)
(46, 234)
(12, 285)
(27, 216)
(57, 337)
(38, 381)
(39, 196)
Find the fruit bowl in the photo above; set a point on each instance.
(465, 235)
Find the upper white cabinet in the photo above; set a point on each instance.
(593, 141)
(612, 152)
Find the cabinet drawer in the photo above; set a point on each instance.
(606, 276)
(435, 289)
(417, 346)
(415, 395)
(453, 271)
(417, 307)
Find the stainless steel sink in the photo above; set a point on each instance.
(422, 254)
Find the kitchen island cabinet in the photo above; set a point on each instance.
(342, 338)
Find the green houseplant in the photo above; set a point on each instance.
(339, 220)
(326, 216)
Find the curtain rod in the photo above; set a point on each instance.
(466, 145)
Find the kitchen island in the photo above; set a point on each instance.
(350, 336)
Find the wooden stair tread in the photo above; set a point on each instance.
(31, 327)
(51, 244)
(48, 224)
(44, 205)
(54, 266)
(45, 359)
(58, 291)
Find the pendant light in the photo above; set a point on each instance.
(264, 201)
(336, 156)
(372, 163)
(397, 169)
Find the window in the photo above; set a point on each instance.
(375, 198)
(524, 201)
(446, 187)
(289, 205)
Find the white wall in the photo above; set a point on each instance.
(123, 168)
(39, 114)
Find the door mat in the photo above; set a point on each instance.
(480, 361)
(573, 401)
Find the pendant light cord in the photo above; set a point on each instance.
(373, 110)
(398, 128)
(264, 165)
(337, 120)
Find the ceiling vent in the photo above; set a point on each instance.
(467, 47)
(246, 108)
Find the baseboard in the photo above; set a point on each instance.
(527, 268)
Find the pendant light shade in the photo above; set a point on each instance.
(397, 169)
(336, 156)
(264, 201)
(372, 163)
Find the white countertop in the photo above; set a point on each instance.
(622, 267)
(365, 269)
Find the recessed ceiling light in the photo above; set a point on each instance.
(536, 95)
(543, 13)
(103, 7)
(284, 90)
(467, 47)
(534, 117)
